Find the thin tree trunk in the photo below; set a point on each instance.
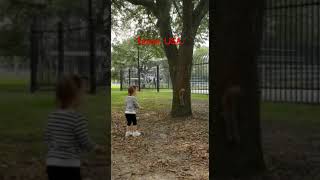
(237, 32)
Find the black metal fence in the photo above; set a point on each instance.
(158, 76)
(289, 62)
(155, 77)
(59, 48)
(200, 74)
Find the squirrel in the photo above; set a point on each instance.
(181, 96)
(230, 102)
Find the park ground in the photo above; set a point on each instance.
(178, 148)
(169, 149)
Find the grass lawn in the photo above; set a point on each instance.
(149, 98)
(296, 116)
(23, 115)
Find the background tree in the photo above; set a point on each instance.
(237, 31)
(172, 18)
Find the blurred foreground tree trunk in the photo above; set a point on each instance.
(237, 37)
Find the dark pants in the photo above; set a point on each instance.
(63, 173)
(131, 119)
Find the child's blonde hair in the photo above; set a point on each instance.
(132, 90)
(68, 90)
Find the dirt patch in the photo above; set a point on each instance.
(291, 153)
(169, 149)
(35, 169)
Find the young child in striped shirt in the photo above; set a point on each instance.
(66, 134)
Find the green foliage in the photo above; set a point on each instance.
(138, 18)
(125, 54)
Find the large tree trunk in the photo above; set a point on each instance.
(180, 72)
(180, 60)
(237, 33)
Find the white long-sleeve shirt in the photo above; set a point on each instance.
(131, 105)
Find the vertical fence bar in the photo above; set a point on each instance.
(318, 55)
(280, 52)
(34, 48)
(265, 58)
(139, 68)
(121, 80)
(158, 79)
(291, 57)
(312, 55)
(301, 84)
(306, 60)
(169, 80)
(129, 77)
(308, 56)
(275, 53)
(287, 50)
(92, 40)
(208, 71)
(296, 41)
(278, 55)
(283, 52)
(60, 50)
(201, 77)
(262, 64)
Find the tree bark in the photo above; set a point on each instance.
(180, 60)
(237, 32)
(180, 72)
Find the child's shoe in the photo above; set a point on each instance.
(136, 133)
(129, 133)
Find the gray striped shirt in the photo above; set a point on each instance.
(67, 136)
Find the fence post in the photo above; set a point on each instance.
(92, 38)
(34, 48)
(169, 80)
(139, 68)
(158, 82)
(60, 50)
(121, 79)
(129, 77)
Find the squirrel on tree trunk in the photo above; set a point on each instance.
(231, 104)
(181, 96)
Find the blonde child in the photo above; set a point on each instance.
(66, 134)
(132, 106)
